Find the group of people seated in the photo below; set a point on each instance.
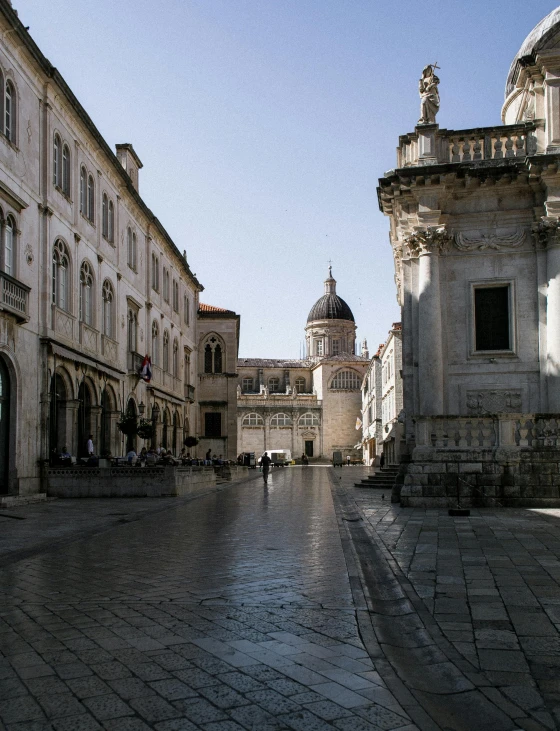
(162, 456)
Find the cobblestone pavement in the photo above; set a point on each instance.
(487, 589)
(233, 611)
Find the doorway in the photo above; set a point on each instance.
(309, 447)
(4, 427)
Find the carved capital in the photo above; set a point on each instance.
(431, 240)
(546, 232)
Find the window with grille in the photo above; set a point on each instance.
(253, 420)
(346, 381)
(281, 420)
(309, 419)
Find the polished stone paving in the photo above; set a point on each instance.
(487, 585)
(233, 611)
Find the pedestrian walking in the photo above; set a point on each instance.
(265, 464)
(382, 460)
(348, 460)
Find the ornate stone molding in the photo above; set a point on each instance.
(546, 232)
(493, 402)
(432, 239)
(499, 238)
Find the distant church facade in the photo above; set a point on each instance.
(309, 405)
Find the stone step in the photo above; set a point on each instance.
(14, 501)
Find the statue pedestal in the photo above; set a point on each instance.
(427, 154)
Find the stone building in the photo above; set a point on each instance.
(475, 231)
(218, 345)
(90, 281)
(382, 402)
(308, 405)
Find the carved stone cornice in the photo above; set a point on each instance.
(546, 232)
(499, 238)
(430, 240)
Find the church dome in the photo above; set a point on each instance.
(536, 39)
(330, 306)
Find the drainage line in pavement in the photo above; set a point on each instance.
(437, 687)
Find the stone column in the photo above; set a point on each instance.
(72, 406)
(553, 324)
(428, 243)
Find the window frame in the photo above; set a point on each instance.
(83, 190)
(90, 198)
(342, 372)
(300, 379)
(57, 161)
(244, 382)
(86, 294)
(303, 422)
(276, 380)
(66, 169)
(108, 299)
(60, 285)
(287, 420)
(249, 422)
(9, 227)
(512, 317)
(10, 111)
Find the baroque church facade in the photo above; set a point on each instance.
(310, 405)
(475, 230)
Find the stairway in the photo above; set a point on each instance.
(383, 478)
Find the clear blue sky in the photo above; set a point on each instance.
(263, 126)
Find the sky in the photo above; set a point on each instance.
(264, 125)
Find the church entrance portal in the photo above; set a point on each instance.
(309, 448)
(4, 426)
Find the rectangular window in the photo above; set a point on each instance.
(212, 425)
(247, 385)
(318, 347)
(492, 318)
(336, 347)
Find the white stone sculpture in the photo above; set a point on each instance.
(429, 95)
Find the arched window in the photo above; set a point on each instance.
(108, 298)
(155, 272)
(280, 420)
(57, 161)
(208, 358)
(111, 222)
(187, 366)
(247, 385)
(10, 246)
(132, 330)
(129, 249)
(175, 296)
(105, 216)
(83, 190)
(155, 343)
(166, 284)
(218, 359)
(165, 350)
(86, 293)
(90, 198)
(66, 170)
(175, 361)
(274, 385)
(300, 385)
(10, 112)
(309, 419)
(60, 268)
(213, 356)
(252, 420)
(346, 381)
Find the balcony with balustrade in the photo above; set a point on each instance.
(431, 145)
(189, 393)
(14, 297)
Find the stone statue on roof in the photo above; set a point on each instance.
(429, 95)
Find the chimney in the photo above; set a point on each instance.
(130, 161)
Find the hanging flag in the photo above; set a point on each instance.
(358, 423)
(146, 369)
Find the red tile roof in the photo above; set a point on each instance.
(211, 308)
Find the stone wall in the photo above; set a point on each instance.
(501, 460)
(95, 482)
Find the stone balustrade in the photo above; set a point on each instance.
(501, 430)
(470, 145)
(14, 296)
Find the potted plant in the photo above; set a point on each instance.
(128, 424)
(190, 441)
(146, 429)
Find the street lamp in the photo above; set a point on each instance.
(141, 408)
